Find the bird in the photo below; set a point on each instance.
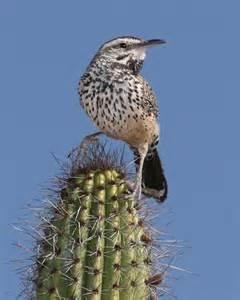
(121, 103)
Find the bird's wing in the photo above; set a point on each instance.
(148, 97)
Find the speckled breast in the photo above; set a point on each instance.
(117, 109)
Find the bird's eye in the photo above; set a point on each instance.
(123, 45)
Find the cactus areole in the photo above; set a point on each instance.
(95, 245)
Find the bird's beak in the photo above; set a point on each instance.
(154, 42)
(148, 43)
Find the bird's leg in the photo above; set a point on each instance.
(138, 181)
(88, 140)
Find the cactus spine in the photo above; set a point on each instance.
(95, 246)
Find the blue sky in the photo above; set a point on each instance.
(46, 45)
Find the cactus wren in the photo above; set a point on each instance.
(123, 106)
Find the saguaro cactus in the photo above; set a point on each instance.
(95, 244)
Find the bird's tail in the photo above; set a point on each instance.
(154, 182)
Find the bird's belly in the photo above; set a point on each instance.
(130, 122)
(138, 132)
(133, 129)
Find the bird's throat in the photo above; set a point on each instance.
(135, 65)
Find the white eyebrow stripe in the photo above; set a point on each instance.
(117, 41)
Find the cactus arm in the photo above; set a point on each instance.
(51, 282)
(92, 287)
(112, 255)
(80, 234)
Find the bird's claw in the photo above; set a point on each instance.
(82, 148)
(87, 142)
(137, 194)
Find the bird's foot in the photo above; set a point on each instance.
(130, 185)
(82, 148)
(137, 191)
(137, 194)
(87, 141)
(133, 190)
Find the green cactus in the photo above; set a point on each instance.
(95, 245)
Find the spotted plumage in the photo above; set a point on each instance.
(122, 104)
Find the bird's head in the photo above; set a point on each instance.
(127, 52)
